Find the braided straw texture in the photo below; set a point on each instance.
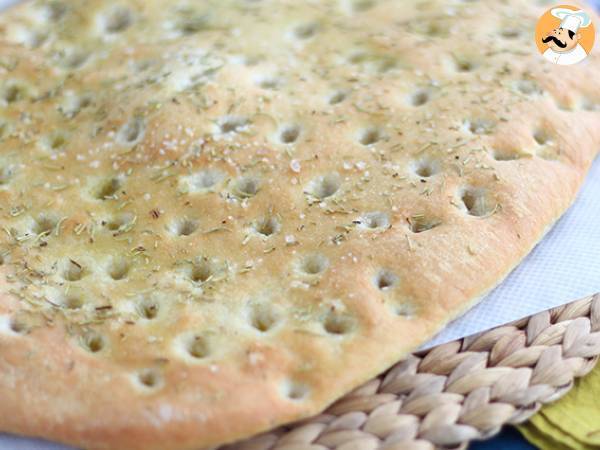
(466, 389)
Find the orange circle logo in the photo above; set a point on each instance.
(565, 35)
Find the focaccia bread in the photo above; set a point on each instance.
(220, 216)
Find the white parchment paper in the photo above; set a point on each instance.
(563, 267)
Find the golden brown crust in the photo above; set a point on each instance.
(171, 177)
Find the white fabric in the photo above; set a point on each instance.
(564, 267)
(566, 58)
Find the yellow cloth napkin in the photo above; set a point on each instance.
(573, 422)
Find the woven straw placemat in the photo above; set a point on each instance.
(456, 392)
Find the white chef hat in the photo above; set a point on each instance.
(572, 20)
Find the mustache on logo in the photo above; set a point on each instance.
(556, 41)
